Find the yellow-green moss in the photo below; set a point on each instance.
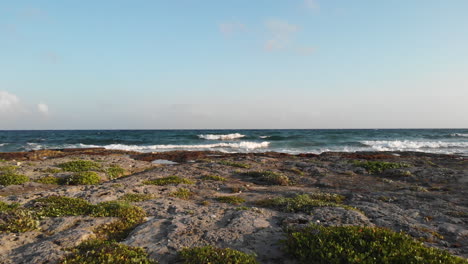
(304, 202)
(376, 167)
(234, 164)
(182, 193)
(115, 172)
(354, 244)
(54, 206)
(50, 180)
(213, 178)
(169, 180)
(18, 220)
(209, 254)
(52, 170)
(136, 197)
(11, 178)
(84, 178)
(80, 165)
(269, 177)
(231, 199)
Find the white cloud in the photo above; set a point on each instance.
(281, 33)
(311, 4)
(8, 102)
(43, 108)
(229, 28)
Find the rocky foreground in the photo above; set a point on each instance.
(227, 200)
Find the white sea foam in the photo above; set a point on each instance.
(459, 135)
(3, 144)
(221, 137)
(402, 145)
(264, 136)
(244, 145)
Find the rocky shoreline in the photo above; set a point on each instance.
(423, 195)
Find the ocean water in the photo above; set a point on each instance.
(449, 141)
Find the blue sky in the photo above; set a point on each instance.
(233, 64)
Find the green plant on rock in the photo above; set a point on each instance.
(11, 178)
(7, 207)
(234, 164)
(18, 220)
(99, 251)
(50, 180)
(182, 193)
(304, 202)
(210, 254)
(355, 244)
(8, 169)
(115, 171)
(79, 166)
(54, 206)
(169, 180)
(377, 167)
(136, 197)
(52, 170)
(84, 178)
(130, 213)
(213, 178)
(269, 177)
(231, 199)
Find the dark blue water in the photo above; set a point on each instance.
(453, 141)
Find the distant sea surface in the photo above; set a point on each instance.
(449, 141)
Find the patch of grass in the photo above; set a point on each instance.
(234, 164)
(55, 206)
(50, 180)
(269, 177)
(209, 254)
(7, 207)
(9, 168)
(115, 171)
(11, 178)
(213, 178)
(304, 202)
(99, 251)
(355, 244)
(80, 165)
(130, 213)
(84, 178)
(136, 197)
(231, 199)
(18, 220)
(182, 193)
(169, 180)
(377, 167)
(52, 170)
(243, 208)
(2, 160)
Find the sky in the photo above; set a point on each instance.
(206, 64)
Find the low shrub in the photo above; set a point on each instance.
(9, 168)
(376, 167)
(52, 170)
(234, 164)
(209, 254)
(11, 178)
(115, 172)
(231, 199)
(17, 220)
(304, 202)
(84, 178)
(79, 166)
(269, 177)
(99, 251)
(355, 244)
(130, 213)
(213, 178)
(50, 180)
(169, 180)
(7, 207)
(54, 206)
(182, 193)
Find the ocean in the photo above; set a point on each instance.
(447, 141)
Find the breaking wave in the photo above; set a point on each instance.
(459, 135)
(221, 137)
(408, 145)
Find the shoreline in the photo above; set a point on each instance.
(424, 195)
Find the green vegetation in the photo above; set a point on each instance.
(115, 171)
(136, 197)
(231, 199)
(8, 169)
(354, 244)
(376, 167)
(209, 254)
(54, 206)
(50, 180)
(7, 207)
(182, 193)
(234, 164)
(52, 170)
(15, 219)
(11, 178)
(305, 202)
(2, 160)
(80, 165)
(98, 251)
(84, 178)
(269, 177)
(213, 178)
(169, 180)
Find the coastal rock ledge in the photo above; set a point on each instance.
(54, 202)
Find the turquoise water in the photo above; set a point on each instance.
(451, 141)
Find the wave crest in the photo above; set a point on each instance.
(459, 135)
(391, 145)
(221, 137)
